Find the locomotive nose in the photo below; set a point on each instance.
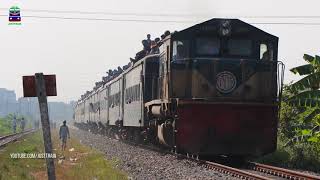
(225, 129)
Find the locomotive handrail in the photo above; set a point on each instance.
(280, 73)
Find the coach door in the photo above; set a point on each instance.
(133, 98)
(114, 102)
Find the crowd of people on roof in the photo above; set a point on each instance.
(149, 47)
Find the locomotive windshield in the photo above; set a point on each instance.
(208, 46)
(239, 47)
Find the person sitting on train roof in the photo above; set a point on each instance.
(110, 73)
(148, 40)
(119, 70)
(132, 60)
(141, 54)
(104, 79)
(157, 40)
(167, 33)
(146, 45)
(125, 67)
(154, 48)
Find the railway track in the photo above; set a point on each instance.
(4, 140)
(279, 172)
(250, 170)
(259, 171)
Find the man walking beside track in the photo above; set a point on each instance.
(14, 124)
(23, 124)
(64, 133)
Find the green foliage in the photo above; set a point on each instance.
(305, 90)
(299, 124)
(6, 124)
(307, 83)
(305, 96)
(90, 164)
(11, 168)
(303, 70)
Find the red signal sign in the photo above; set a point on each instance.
(29, 85)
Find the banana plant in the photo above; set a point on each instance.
(305, 92)
(305, 95)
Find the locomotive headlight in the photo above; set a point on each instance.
(225, 28)
(225, 32)
(225, 23)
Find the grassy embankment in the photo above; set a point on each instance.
(299, 156)
(82, 163)
(6, 126)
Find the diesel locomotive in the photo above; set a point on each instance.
(213, 89)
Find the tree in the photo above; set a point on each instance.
(306, 91)
(305, 94)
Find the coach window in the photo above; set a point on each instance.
(180, 50)
(208, 46)
(111, 101)
(117, 99)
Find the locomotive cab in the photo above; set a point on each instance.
(219, 89)
(192, 59)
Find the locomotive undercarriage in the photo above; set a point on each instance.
(134, 134)
(159, 132)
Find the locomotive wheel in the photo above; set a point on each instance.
(237, 161)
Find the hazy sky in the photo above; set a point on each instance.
(79, 52)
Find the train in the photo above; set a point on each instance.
(213, 89)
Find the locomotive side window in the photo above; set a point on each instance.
(266, 51)
(180, 50)
(240, 47)
(263, 50)
(208, 46)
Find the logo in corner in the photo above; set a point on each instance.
(14, 16)
(226, 82)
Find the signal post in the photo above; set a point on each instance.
(42, 86)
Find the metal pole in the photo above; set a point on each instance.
(43, 105)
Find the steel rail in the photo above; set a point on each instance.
(12, 137)
(6, 136)
(241, 174)
(281, 172)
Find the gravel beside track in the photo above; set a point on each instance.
(141, 163)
